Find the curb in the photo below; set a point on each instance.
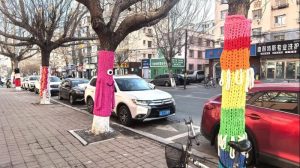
(156, 138)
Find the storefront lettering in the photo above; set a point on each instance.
(277, 48)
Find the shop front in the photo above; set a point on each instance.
(159, 66)
(279, 60)
(213, 55)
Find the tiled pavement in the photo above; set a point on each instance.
(33, 135)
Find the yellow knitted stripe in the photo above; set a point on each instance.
(235, 97)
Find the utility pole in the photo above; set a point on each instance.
(185, 59)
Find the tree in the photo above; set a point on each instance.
(48, 24)
(112, 25)
(170, 32)
(236, 78)
(120, 57)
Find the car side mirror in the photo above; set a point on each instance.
(151, 85)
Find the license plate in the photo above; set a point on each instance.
(164, 112)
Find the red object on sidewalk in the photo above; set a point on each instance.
(17, 82)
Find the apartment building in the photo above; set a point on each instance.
(275, 29)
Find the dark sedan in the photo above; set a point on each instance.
(72, 89)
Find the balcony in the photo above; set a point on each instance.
(280, 6)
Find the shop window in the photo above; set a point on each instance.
(257, 14)
(279, 69)
(223, 14)
(191, 67)
(290, 70)
(280, 20)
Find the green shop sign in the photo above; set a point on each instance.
(176, 62)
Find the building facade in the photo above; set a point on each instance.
(275, 29)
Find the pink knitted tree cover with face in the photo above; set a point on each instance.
(105, 94)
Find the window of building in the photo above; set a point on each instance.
(207, 42)
(256, 31)
(191, 67)
(222, 29)
(199, 41)
(224, 1)
(149, 56)
(278, 37)
(280, 20)
(144, 42)
(257, 14)
(199, 67)
(223, 14)
(191, 40)
(144, 55)
(149, 44)
(280, 3)
(282, 101)
(191, 53)
(222, 44)
(200, 54)
(150, 31)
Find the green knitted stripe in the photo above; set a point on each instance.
(232, 122)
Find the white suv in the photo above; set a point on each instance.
(135, 99)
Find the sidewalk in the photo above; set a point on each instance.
(33, 135)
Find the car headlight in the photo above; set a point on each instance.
(173, 100)
(141, 102)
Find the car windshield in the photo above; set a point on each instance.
(33, 78)
(77, 82)
(132, 84)
(54, 79)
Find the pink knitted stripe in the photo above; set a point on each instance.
(237, 26)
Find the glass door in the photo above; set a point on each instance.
(290, 70)
(280, 70)
(271, 70)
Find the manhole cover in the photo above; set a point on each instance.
(86, 137)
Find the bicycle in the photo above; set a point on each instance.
(210, 83)
(239, 147)
(177, 156)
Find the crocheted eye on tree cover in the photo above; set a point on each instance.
(236, 78)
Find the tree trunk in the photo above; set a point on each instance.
(45, 72)
(104, 95)
(172, 80)
(16, 63)
(80, 57)
(236, 78)
(238, 7)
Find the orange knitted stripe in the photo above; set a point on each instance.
(235, 59)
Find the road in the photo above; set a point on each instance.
(189, 103)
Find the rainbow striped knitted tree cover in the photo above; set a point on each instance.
(236, 78)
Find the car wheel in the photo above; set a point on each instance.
(59, 96)
(124, 115)
(36, 91)
(90, 105)
(71, 99)
(251, 155)
(167, 84)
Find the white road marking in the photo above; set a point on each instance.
(190, 96)
(201, 92)
(172, 138)
(166, 128)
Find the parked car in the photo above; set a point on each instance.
(164, 80)
(135, 99)
(196, 76)
(272, 123)
(24, 82)
(29, 83)
(70, 89)
(54, 85)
